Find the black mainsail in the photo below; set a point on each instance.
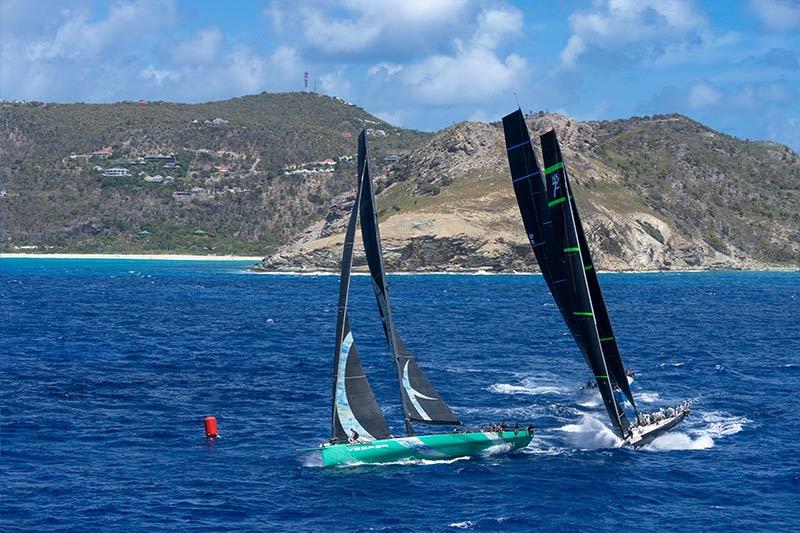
(553, 227)
(354, 405)
(421, 402)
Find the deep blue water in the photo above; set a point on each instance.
(108, 368)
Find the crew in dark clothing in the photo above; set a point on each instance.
(516, 429)
(353, 436)
(530, 429)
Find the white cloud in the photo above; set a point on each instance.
(335, 83)
(250, 72)
(359, 28)
(158, 76)
(632, 28)
(703, 95)
(473, 73)
(80, 38)
(777, 14)
(204, 47)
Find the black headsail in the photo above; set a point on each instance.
(354, 405)
(421, 402)
(553, 231)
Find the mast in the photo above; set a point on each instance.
(421, 402)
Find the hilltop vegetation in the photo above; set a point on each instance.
(229, 193)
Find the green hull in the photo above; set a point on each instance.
(431, 447)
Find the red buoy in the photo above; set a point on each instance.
(211, 426)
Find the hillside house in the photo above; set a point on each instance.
(116, 172)
(103, 153)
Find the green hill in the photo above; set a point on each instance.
(229, 192)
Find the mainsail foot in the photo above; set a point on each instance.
(651, 426)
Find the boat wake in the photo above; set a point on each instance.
(716, 425)
(589, 434)
(674, 440)
(312, 460)
(527, 387)
(647, 397)
(406, 462)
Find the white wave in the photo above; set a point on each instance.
(592, 401)
(423, 462)
(589, 434)
(662, 365)
(647, 397)
(717, 425)
(312, 460)
(497, 449)
(679, 441)
(466, 524)
(505, 388)
(723, 425)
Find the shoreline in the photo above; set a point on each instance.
(137, 257)
(360, 271)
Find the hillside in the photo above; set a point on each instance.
(660, 192)
(235, 176)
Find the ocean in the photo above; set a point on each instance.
(110, 366)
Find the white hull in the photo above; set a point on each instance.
(644, 435)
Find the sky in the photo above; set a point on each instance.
(731, 64)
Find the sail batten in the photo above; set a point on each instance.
(421, 402)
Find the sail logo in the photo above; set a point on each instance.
(414, 395)
(555, 184)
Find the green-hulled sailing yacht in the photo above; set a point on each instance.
(355, 410)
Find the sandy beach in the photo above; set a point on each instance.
(160, 257)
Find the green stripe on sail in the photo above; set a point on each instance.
(601, 377)
(604, 339)
(583, 313)
(588, 267)
(573, 249)
(557, 201)
(553, 168)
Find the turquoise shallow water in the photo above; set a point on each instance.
(108, 368)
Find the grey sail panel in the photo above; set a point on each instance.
(421, 401)
(574, 290)
(354, 405)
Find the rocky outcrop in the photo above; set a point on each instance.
(655, 193)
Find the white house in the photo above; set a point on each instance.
(116, 172)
